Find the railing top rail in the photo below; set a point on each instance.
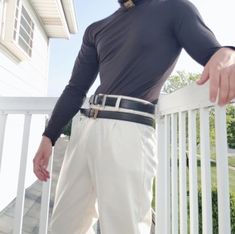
(188, 98)
(36, 105)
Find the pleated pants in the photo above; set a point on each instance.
(107, 174)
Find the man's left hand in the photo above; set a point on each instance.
(220, 71)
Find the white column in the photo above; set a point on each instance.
(222, 170)
(205, 171)
(46, 188)
(182, 174)
(167, 171)
(193, 188)
(3, 118)
(174, 175)
(21, 181)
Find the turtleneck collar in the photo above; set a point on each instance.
(136, 2)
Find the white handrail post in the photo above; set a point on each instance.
(161, 186)
(205, 171)
(222, 170)
(45, 202)
(174, 174)
(182, 174)
(193, 188)
(3, 118)
(21, 181)
(167, 172)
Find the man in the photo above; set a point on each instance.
(111, 156)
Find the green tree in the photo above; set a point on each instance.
(215, 218)
(178, 81)
(67, 128)
(231, 126)
(182, 79)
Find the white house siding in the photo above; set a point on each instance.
(28, 77)
(22, 78)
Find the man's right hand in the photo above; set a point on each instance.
(41, 159)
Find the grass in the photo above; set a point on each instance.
(231, 161)
(213, 176)
(214, 179)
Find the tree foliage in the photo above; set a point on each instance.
(182, 79)
(67, 128)
(178, 81)
(231, 126)
(215, 214)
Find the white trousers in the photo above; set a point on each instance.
(107, 173)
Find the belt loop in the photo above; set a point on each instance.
(91, 99)
(103, 101)
(96, 111)
(95, 99)
(119, 98)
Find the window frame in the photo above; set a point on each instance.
(21, 14)
(18, 29)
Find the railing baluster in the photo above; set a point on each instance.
(193, 188)
(222, 170)
(43, 226)
(21, 181)
(182, 174)
(205, 171)
(161, 181)
(3, 118)
(167, 172)
(174, 174)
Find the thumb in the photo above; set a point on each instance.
(204, 77)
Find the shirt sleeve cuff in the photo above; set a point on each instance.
(231, 47)
(51, 138)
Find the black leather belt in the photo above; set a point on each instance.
(124, 103)
(95, 113)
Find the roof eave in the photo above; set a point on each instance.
(70, 14)
(57, 17)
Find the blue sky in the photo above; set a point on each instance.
(218, 15)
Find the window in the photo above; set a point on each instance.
(17, 29)
(23, 29)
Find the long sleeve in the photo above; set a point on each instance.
(192, 33)
(84, 73)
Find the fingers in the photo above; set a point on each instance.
(40, 174)
(40, 164)
(221, 67)
(224, 88)
(214, 84)
(204, 76)
(222, 83)
(231, 94)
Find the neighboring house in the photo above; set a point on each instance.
(26, 27)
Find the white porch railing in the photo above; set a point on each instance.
(171, 215)
(172, 145)
(26, 106)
